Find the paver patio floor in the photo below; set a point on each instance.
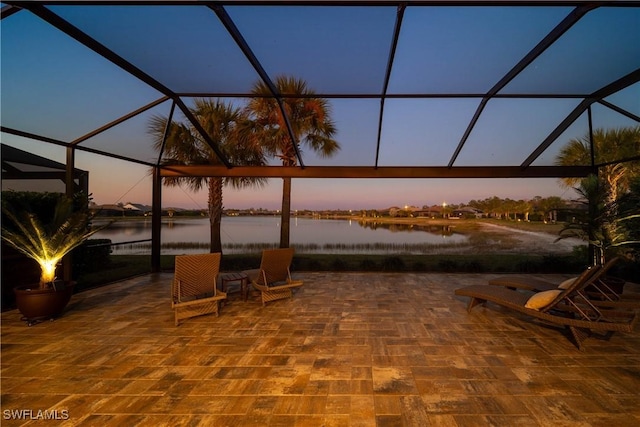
(349, 349)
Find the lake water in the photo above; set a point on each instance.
(308, 235)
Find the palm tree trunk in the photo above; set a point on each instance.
(285, 215)
(215, 213)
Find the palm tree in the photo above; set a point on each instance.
(549, 206)
(603, 224)
(524, 207)
(609, 145)
(227, 126)
(310, 122)
(629, 205)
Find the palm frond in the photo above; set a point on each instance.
(47, 243)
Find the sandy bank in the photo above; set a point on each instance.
(535, 242)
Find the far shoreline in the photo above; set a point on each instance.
(460, 224)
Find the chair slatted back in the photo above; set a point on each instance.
(585, 279)
(195, 275)
(275, 265)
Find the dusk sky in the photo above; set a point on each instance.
(56, 87)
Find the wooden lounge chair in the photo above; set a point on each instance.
(273, 278)
(559, 307)
(193, 290)
(528, 283)
(599, 292)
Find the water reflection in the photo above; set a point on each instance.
(438, 230)
(239, 234)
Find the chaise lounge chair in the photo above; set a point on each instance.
(599, 292)
(568, 307)
(273, 278)
(528, 283)
(193, 290)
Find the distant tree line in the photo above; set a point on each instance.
(538, 208)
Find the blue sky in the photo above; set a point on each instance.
(54, 86)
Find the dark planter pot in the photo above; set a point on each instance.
(37, 304)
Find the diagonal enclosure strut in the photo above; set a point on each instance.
(246, 50)
(596, 96)
(77, 34)
(544, 44)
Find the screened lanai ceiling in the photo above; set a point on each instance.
(416, 88)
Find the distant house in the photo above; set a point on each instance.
(171, 211)
(142, 209)
(393, 210)
(467, 211)
(434, 211)
(427, 212)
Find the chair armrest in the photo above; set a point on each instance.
(252, 274)
(287, 285)
(218, 297)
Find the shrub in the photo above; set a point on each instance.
(580, 254)
(393, 264)
(556, 263)
(474, 267)
(419, 266)
(368, 264)
(338, 265)
(42, 205)
(628, 269)
(239, 262)
(92, 255)
(447, 265)
(527, 266)
(308, 264)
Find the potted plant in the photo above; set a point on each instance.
(46, 242)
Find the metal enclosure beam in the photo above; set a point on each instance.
(119, 120)
(596, 96)
(53, 141)
(379, 172)
(543, 45)
(156, 220)
(88, 41)
(248, 53)
(387, 77)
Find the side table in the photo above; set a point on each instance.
(226, 278)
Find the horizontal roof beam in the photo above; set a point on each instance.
(379, 172)
(40, 175)
(524, 3)
(376, 96)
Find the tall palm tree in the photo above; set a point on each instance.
(311, 124)
(613, 179)
(228, 126)
(606, 226)
(609, 145)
